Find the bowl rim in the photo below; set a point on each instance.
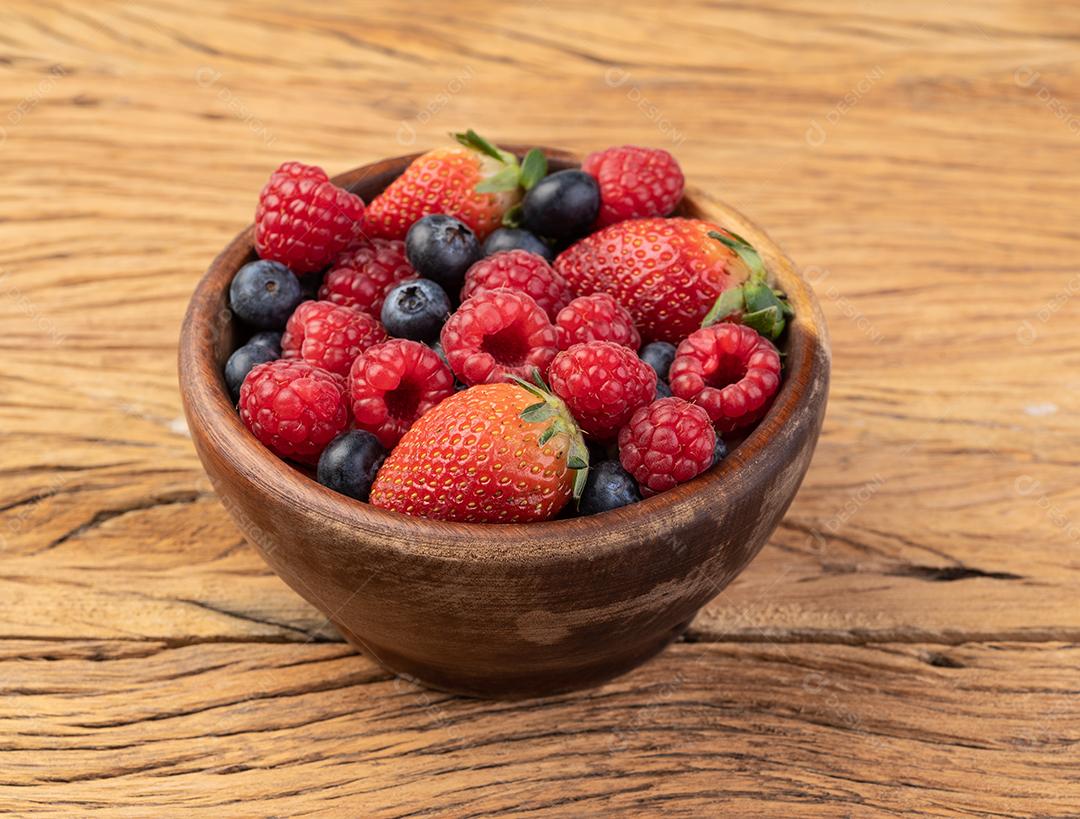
(207, 402)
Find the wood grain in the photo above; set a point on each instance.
(918, 161)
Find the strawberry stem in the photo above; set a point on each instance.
(551, 407)
(757, 305)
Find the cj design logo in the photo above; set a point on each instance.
(206, 77)
(616, 77)
(1026, 333)
(406, 134)
(1026, 76)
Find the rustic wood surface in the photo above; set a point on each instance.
(907, 642)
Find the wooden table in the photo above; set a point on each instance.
(908, 640)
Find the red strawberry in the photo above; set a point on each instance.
(474, 182)
(666, 272)
(362, 277)
(304, 220)
(634, 183)
(496, 453)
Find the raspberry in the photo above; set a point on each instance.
(634, 183)
(520, 270)
(329, 335)
(603, 383)
(394, 383)
(666, 443)
(362, 277)
(304, 220)
(498, 334)
(596, 318)
(730, 371)
(294, 408)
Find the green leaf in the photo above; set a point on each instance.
(525, 385)
(574, 462)
(535, 413)
(505, 180)
(538, 379)
(533, 168)
(512, 217)
(768, 322)
(548, 434)
(730, 301)
(580, 477)
(761, 297)
(471, 139)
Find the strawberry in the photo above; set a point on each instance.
(495, 453)
(474, 182)
(666, 272)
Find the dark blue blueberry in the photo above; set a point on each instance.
(264, 294)
(415, 309)
(517, 239)
(349, 463)
(562, 205)
(441, 248)
(662, 390)
(267, 338)
(659, 355)
(608, 486)
(719, 451)
(241, 362)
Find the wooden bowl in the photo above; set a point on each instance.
(513, 609)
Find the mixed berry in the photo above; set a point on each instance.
(486, 341)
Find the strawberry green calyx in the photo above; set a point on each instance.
(551, 408)
(756, 303)
(532, 169)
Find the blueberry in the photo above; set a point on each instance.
(267, 338)
(662, 390)
(719, 451)
(264, 294)
(659, 355)
(517, 239)
(563, 205)
(349, 463)
(241, 362)
(608, 486)
(441, 248)
(416, 309)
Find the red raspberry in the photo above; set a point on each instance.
(730, 371)
(304, 220)
(666, 443)
(634, 183)
(362, 277)
(498, 334)
(520, 270)
(602, 383)
(394, 383)
(294, 408)
(596, 318)
(329, 335)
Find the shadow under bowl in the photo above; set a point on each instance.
(508, 610)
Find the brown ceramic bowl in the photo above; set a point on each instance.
(512, 609)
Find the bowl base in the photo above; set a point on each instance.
(518, 685)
